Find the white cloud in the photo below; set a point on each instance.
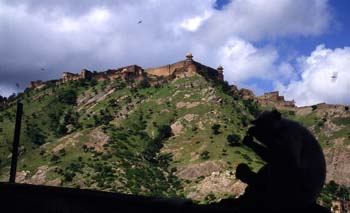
(243, 61)
(192, 24)
(258, 19)
(97, 17)
(316, 85)
(67, 35)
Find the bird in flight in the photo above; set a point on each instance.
(43, 69)
(334, 76)
(139, 22)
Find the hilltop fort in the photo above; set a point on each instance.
(185, 67)
(135, 72)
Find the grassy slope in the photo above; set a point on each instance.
(122, 165)
(129, 162)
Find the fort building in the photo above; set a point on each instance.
(220, 70)
(134, 72)
(129, 72)
(273, 98)
(187, 65)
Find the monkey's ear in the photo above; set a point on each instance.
(276, 115)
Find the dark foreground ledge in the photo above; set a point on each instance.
(34, 198)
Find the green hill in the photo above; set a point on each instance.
(180, 137)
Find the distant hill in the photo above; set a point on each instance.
(172, 131)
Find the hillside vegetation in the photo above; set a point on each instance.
(180, 138)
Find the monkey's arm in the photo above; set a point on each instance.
(262, 151)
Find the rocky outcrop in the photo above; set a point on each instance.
(234, 90)
(39, 178)
(191, 172)
(176, 128)
(187, 104)
(220, 184)
(338, 165)
(97, 139)
(340, 206)
(246, 94)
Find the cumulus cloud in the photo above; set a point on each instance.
(258, 19)
(243, 61)
(68, 35)
(192, 24)
(325, 77)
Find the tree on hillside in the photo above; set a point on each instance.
(252, 107)
(216, 128)
(153, 147)
(68, 96)
(143, 84)
(205, 155)
(2, 102)
(2, 99)
(233, 139)
(164, 132)
(35, 134)
(93, 82)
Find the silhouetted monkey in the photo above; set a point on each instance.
(295, 170)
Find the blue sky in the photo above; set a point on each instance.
(293, 46)
(337, 36)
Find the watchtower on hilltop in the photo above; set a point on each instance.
(220, 70)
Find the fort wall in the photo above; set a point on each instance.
(135, 72)
(165, 70)
(124, 72)
(36, 84)
(68, 76)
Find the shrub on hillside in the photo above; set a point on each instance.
(68, 96)
(35, 134)
(205, 155)
(252, 107)
(233, 139)
(216, 128)
(143, 84)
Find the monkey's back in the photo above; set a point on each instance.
(312, 171)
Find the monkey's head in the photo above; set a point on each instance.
(264, 126)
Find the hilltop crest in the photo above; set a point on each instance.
(184, 68)
(135, 72)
